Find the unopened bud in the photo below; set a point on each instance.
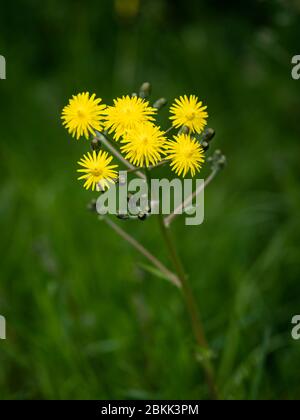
(145, 90)
(205, 146)
(218, 160)
(222, 161)
(184, 130)
(218, 153)
(160, 103)
(208, 134)
(96, 144)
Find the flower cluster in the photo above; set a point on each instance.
(131, 122)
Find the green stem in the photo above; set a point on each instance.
(118, 155)
(170, 129)
(140, 248)
(191, 307)
(189, 300)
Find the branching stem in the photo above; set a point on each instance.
(147, 254)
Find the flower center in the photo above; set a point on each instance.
(96, 172)
(127, 111)
(145, 140)
(188, 154)
(191, 116)
(80, 113)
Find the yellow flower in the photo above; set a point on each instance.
(189, 112)
(186, 154)
(126, 114)
(98, 173)
(144, 144)
(83, 115)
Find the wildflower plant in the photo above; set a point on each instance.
(126, 131)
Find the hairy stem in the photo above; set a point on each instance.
(147, 254)
(191, 306)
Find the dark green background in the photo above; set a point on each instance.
(82, 320)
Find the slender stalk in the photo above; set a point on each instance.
(189, 300)
(139, 247)
(178, 211)
(191, 306)
(118, 155)
(169, 129)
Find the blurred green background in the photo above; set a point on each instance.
(83, 321)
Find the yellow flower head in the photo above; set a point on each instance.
(189, 112)
(186, 154)
(83, 115)
(126, 114)
(98, 173)
(144, 145)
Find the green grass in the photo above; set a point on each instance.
(83, 320)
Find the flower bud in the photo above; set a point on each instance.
(208, 135)
(218, 160)
(145, 90)
(96, 144)
(222, 161)
(184, 130)
(160, 103)
(205, 146)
